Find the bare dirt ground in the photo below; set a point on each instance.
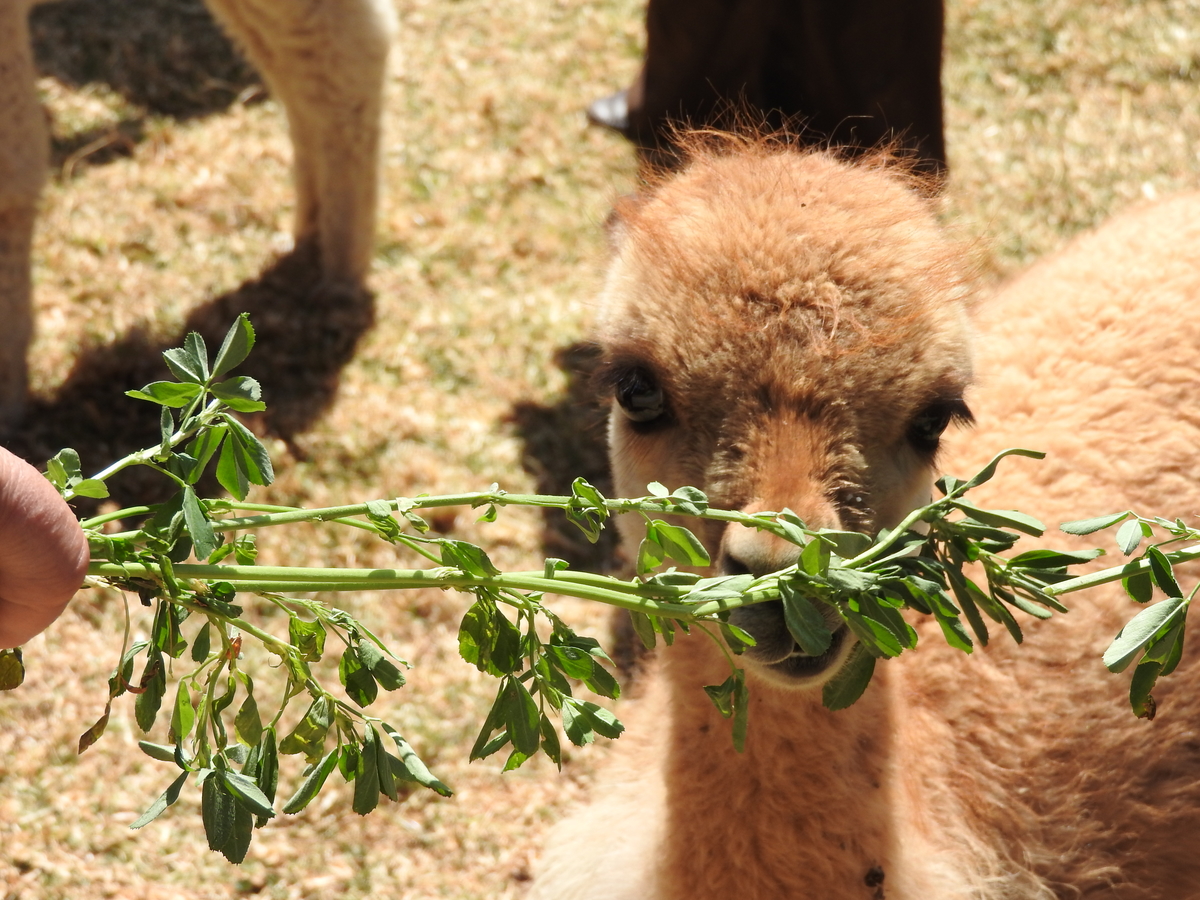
(170, 210)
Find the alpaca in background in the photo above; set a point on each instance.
(325, 61)
(787, 330)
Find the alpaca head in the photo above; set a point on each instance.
(783, 330)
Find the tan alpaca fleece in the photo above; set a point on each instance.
(798, 313)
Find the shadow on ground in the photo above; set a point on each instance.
(565, 441)
(306, 334)
(168, 57)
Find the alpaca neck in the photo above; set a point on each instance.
(802, 812)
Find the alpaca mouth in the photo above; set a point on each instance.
(778, 657)
(798, 666)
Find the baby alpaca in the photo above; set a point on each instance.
(324, 60)
(786, 330)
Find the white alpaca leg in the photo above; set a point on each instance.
(325, 60)
(23, 161)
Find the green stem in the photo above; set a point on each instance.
(1117, 573)
(625, 595)
(143, 457)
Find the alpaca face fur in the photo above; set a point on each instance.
(803, 327)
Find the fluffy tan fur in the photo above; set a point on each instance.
(324, 60)
(797, 313)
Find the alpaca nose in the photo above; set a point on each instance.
(748, 551)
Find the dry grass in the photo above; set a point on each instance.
(1059, 113)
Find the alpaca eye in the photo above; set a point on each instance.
(640, 396)
(925, 430)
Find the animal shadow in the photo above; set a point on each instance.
(167, 56)
(306, 334)
(565, 441)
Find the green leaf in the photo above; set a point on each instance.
(169, 796)
(121, 678)
(245, 550)
(551, 746)
(586, 509)
(307, 637)
(243, 831)
(602, 682)
(1052, 559)
(1160, 571)
(680, 544)
(1139, 587)
(189, 362)
(247, 723)
(1002, 518)
(651, 555)
(643, 627)
(386, 673)
(308, 737)
(723, 587)
(218, 809)
(489, 641)
(248, 455)
(964, 591)
(90, 487)
(575, 663)
(380, 514)
(203, 446)
(230, 473)
(597, 718)
(849, 682)
(577, 726)
(168, 393)
(1129, 536)
(239, 341)
(201, 643)
(389, 769)
(986, 473)
(1144, 678)
(953, 630)
(721, 696)
(64, 468)
(804, 620)
(814, 558)
(1139, 631)
(183, 716)
(851, 581)
(846, 544)
(153, 685)
(356, 679)
(741, 710)
(248, 793)
(366, 775)
(161, 752)
(312, 783)
(415, 766)
(1088, 526)
(690, 501)
(263, 766)
(242, 393)
(204, 539)
(521, 716)
(12, 669)
(471, 559)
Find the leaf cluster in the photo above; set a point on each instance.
(221, 730)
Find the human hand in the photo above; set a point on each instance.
(43, 552)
